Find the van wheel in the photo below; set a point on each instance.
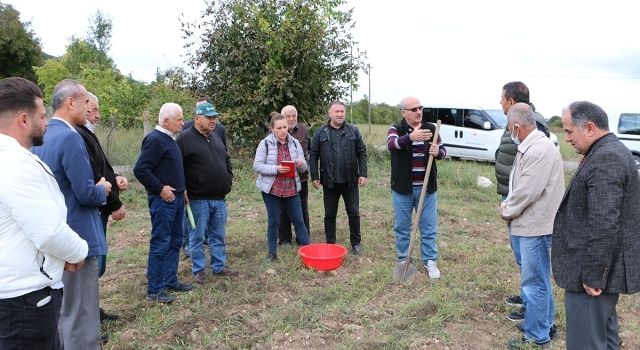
(637, 159)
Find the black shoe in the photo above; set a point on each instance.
(553, 331)
(523, 343)
(161, 297)
(514, 300)
(517, 315)
(107, 317)
(225, 272)
(180, 287)
(357, 249)
(272, 257)
(104, 338)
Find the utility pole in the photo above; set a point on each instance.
(369, 70)
(351, 88)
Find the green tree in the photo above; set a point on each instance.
(81, 54)
(99, 34)
(256, 56)
(19, 48)
(49, 74)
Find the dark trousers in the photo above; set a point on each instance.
(350, 196)
(284, 233)
(25, 325)
(592, 322)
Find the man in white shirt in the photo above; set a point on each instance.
(34, 248)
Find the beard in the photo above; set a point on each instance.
(36, 138)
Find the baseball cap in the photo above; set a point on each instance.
(206, 109)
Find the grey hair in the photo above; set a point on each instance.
(63, 90)
(522, 113)
(289, 109)
(403, 103)
(168, 110)
(333, 103)
(583, 112)
(93, 97)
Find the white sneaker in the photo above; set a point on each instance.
(432, 269)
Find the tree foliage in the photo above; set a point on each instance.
(257, 56)
(19, 48)
(381, 113)
(99, 34)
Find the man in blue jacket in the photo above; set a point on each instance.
(159, 170)
(65, 153)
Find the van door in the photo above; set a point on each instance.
(451, 130)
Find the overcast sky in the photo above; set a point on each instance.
(439, 51)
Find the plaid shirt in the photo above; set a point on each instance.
(283, 186)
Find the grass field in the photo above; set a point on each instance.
(285, 306)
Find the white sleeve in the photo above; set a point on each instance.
(35, 202)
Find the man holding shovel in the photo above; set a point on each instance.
(411, 144)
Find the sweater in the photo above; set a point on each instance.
(160, 164)
(402, 158)
(207, 166)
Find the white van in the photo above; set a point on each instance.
(627, 127)
(469, 131)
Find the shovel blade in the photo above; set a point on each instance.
(404, 271)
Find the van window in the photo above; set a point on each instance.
(450, 116)
(475, 119)
(629, 123)
(499, 119)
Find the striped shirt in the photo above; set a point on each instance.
(420, 150)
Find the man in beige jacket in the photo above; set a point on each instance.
(536, 187)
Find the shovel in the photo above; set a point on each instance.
(404, 270)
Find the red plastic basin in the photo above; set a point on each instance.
(322, 256)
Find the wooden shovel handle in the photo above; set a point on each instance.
(416, 219)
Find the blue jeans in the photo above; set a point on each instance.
(210, 217)
(515, 247)
(403, 206)
(293, 208)
(535, 277)
(166, 240)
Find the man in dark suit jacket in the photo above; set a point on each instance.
(102, 168)
(596, 235)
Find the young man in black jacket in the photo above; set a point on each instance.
(208, 177)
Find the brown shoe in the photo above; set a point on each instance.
(226, 272)
(200, 278)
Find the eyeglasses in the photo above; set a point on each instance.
(414, 109)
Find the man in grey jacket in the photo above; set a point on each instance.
(535, 190)
(596, 240)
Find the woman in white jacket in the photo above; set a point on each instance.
(280, 182)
